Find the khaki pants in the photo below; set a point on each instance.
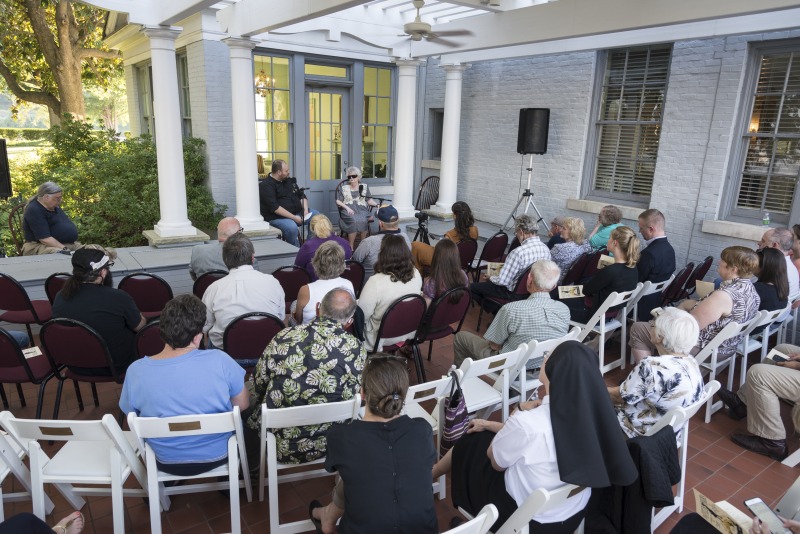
(767, 383)
(468, 345)
(34, 248)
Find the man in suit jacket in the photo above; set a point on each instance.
(657, 262)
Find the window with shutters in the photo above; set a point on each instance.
(630, 105)
(766, 164)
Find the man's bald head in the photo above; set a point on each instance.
(338, 304)
(780, 238)
(227, 227)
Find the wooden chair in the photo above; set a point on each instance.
(276, 419)
(12, 454)
(95, 452)
(678, 419)
(602, 325)
(649, 288)
(754, 338)
(15, 222)
(145, 428)
(480, 524)
(484, 396)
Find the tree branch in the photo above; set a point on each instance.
(37, 97)
(97, 53)
(41, 30)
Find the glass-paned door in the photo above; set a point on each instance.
(328, 144)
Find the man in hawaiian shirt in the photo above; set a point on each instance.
(312, 363)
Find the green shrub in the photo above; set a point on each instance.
(29, 134)
(111, 186)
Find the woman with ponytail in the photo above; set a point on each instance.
(366, 454)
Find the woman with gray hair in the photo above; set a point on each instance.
(46, 227)
(354, 207)
(659, 383)
(329, 265)
(609, 218)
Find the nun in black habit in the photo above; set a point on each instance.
(573, 436)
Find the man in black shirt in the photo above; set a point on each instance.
(282, 205)
(46, 227)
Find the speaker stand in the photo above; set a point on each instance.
(527, 198)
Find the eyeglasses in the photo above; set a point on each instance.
(241, 230)
(352, 177)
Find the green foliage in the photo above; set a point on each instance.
(111, 186)
(29, 134)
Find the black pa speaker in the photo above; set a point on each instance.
(533, 126)
(5, 172)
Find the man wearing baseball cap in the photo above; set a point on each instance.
(88, 297)
(367, 251)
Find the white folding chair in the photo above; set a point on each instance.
(599, 325)
(480, 524)
(648, 288)
(145, 428)
(480, 395)
(525, 377)
(707, 359)
(540, 501)
(275, 419)
(751, 342)
(678, 419)
(11, 455)
(435, 390)
(789, 323)
(96, 452)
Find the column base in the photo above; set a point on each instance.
(405, 212)
(252, 223)
(159, 241)
(440, 211)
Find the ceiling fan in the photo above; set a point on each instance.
(419, 29)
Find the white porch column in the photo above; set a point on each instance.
(403, 176)
(244, 134)
(451, 134)
(174, 220)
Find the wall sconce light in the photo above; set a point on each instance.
(264, 84)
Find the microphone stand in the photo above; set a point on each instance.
(299, 191)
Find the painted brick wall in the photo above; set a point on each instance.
(702, 107)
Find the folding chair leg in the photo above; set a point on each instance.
(78, 394)
(40, 401)
(430, 351)
(233, 479)
(117, 502)
(3, 396)
(30, 332)
(480, 314)
(417, 355)
(58, 398)
(21, 395)
(94, 394)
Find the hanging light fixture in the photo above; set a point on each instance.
(264, 83)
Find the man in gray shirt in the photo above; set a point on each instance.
(367, 251)
(208, 257)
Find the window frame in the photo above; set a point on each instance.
(184, 94)
(588, 189)
(144, 86)
(741, 136)
(289, 124)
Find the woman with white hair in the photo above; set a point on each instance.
(659, 383)
(322, 229)
(354, 207)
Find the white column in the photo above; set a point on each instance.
(451, 134)
(244, 134)
(174, 220)
(403, 174)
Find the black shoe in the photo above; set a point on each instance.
(456, 521)
(736, 408)
(774, 448)
(317, 522)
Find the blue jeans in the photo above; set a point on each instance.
(21, 338)
(289, 228)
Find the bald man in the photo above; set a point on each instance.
(208, 257)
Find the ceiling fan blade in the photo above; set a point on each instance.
(436, 39)
(455, 33)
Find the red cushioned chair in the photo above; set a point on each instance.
(355, 273)
(591, 265)
(520, 289)
(672, 292)
(68, 343)
(149, 291)
(16, 369)
(291, 278)
(698, 274)
(205, 280)
(493, 250)
(467, 249)
(54, 283)
(19, 308)
(247, 336)
(401, 320)
(447, 309)
(148, 340)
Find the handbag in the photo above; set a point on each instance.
(456, 417)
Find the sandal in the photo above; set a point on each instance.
(65, 528)
(313, 505)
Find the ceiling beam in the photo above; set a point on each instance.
(569, 19)
(251, 17)
(171, 12)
